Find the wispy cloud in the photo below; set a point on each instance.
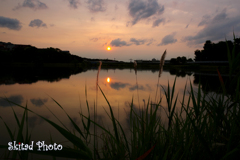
(150, 41)
(139, 9)
(138, 42)
(168, 39)
(35, 120)
(139, 87)
(118, 85)
(158, 21)
(18, 99)
(94, 39)
(74, 3)
(116, 7)
(205, 20)
(33, 4)
(37, 23)
(188, 24)
(214, 29)
(119, 43)
(38, 102)
(92, 19)
(10, 23)
(220, 17)
(96, 5)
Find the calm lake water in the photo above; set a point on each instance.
(69, 91)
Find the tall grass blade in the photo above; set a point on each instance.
(229, 154)
(125, 139)
(68, 135)
(95, 106)
(73, 123)
(8, 129)
(197, 113)
(101, 128)
(112, 116)
(99, 69)
(55, 115)
(135, 69)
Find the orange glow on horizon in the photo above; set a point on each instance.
(108, 79)
(108, 48)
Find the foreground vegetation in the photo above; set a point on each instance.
(205, 127)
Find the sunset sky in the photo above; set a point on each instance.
(134, 29)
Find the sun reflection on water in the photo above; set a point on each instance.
(108, 80)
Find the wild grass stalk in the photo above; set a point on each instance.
(160, 70)
(95, 112)
(135, 69)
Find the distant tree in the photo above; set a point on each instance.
(184, 60)
(215, 52)
(208, 45)
(154, 60)
(198, 55)
(189, 60)
(237, 41)
(219, 52)
(179, 59)
(173, 61)
(30, 54)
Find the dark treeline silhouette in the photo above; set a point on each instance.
(179, 73)
(28, 75)
(29, 54)
(180, 60)
(15, 53)
(216, 51)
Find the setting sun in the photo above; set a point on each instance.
(108, 48)
(108, 79)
